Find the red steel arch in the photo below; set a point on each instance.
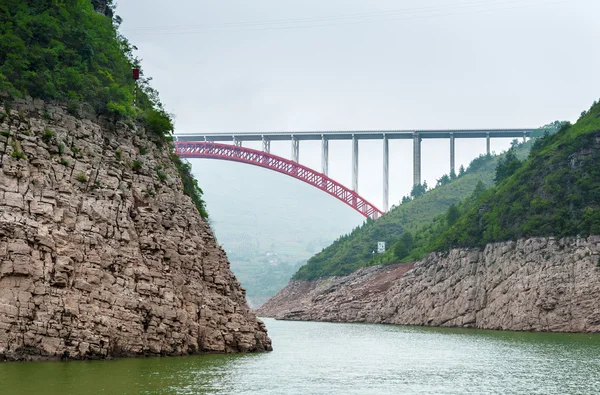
(234, 153)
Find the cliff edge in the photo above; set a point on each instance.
(101, 253)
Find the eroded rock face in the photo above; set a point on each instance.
(537, 284)
(101, 253)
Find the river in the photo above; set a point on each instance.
(326, 358)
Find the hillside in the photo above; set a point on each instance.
(555, 192)
(355, 250)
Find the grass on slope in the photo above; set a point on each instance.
(355, 250)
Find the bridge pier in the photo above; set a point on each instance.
(386, 173)
(488, 143)
(295, 150)
(324, 155)
(236, 142)
(416, 159)
(524, 137)
(266, 144)
(354, 163)
(452, 157)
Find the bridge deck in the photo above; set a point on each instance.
(359, 134)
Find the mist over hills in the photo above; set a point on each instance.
(269, 223)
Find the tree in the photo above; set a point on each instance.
(445, 179)
(478, 191)
(452, 215)
(461, 171)
(452, 174)
(418, 190)
(403, 247)
(406, 199)
(507, 166)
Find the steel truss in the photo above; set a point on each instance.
(209, 150)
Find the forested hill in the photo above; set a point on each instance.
(555, 192)
(69, 52)
(355, 250)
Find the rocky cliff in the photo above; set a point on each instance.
(539, 284)
(101, 253)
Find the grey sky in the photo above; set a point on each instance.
(265, 65)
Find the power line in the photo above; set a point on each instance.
(381, 16)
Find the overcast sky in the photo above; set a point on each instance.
(266, 65)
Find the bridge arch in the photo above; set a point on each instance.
(210, 150)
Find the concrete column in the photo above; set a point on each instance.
(487, 143)
(354, 164)
(524, 137)
(386, 173)
(416, 159)
(452, 157)
(324, 155)
(266, 144)
(295, 150)
(237, 142)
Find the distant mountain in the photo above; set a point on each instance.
(268, 223)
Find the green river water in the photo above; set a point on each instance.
(325, 358)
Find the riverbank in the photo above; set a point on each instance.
(538, 284)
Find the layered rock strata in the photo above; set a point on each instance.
(101, 253)
(539, 284)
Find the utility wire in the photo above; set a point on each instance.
(381, 16)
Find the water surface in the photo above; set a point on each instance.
(324, 358)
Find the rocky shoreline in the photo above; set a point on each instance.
(101, 253)
(538, 284)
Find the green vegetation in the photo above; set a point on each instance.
(19, 155)
(423, 207)
(190, 185)
(47, 136)
(64, 162)
(136, 165)
(65, 51)
(555, 192)
(81, 177)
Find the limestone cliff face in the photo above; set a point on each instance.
(101, 253)
(537, 284)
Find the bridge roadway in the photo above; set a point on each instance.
(385, 135)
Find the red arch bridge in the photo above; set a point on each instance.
(209, 150)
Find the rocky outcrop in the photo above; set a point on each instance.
(539, 284)
(101, 253)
